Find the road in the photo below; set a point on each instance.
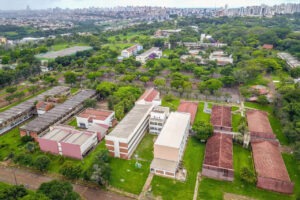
(32, 181)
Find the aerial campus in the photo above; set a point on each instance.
(150, 103)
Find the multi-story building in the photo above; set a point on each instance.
(157, 120)
(221, 58)
(67, 141)
(58, 114)
(91, 116)
(131, 51)
(22, 112)
(152, 53)
(126, 136)
(170, 145)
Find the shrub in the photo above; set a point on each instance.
(42, 162)
(23, 159)
(247, 175)
(70, 170)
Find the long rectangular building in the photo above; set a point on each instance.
(270, 168)
(170, 144)
(259, 125)
(67, 141)
(221, 118)
(58, 114)
(124, 139)
(218, 161)
(22, 112)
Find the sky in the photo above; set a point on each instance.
(41, 4)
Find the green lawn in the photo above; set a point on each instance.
(266, 108)
(170, 189)
(293, 167)
(145, 148)
(201, 116)
(74, 90)
(173, 105)
(58, 47)
(235, 108)
(236, 118)
(73, 122)
(125, 175)
(213, 189)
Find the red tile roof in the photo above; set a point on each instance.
(95, 114)
(149, 95)
(218, 151)
(268, 46)
(188, 107)
(259, 125)
(268, 160)
(221, 116)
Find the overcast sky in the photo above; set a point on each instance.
(37, 4)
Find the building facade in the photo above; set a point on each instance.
(170, 145)
(67, 141)
(126, 136)
(152, 53)
(131, 51)
(157, 120)
(90, 116)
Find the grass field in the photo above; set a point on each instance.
(173, 105)
(201, 116)
(266, 108)
(169, 189)
(58, 47)
(213, 189)
(236, 118)
(125, 175)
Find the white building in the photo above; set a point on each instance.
(152, 53)
(131, 51)
(221, 58)
(151, 96)
(126, 136)
(157, 120)
(170, 145)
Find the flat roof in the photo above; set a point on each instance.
(218, 151)
(221, 116)
(174, 129)
(268, 160)
(162, 164)
(149, 95)
(131, 121)
(97, 114)
(43, 122)
(149, 52)
(29, 104)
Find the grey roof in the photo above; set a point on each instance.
(43, 122)
(131, 121)
(26, 106)
(162, 164)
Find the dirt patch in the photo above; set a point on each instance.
(230, 196)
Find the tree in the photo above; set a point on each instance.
(19, 95)
(23, 159)
(33, 89)
(203, 130)
(119, 111)
(11, 89)
(70, 77)
(70, 170)
(9, 98)
(90, 103)
(58, 190)
(13, 192)
(144, 79)
(262, 99)
(30, 146)
(106, 88)
(297, 151)
(50, 80)
(42, 162)
(159, 82)
(5, 60)
(247, 175)
(35, 196)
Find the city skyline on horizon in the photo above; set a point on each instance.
(73, 4)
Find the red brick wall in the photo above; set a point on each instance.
(48, 145)
(71, 150)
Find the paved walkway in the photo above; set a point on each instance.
(146, 186)
(197, 186)
(32, 181)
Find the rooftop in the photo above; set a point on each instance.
(189, 107)
(174, 129)
(96, 114)
(43, 122)
(258, 122)
(149, 95)
(149, 52)
(29, 104)
(218, 151)
(268, 161)
(67, 134)
(162, 164)
(221, 116)
(131, 121)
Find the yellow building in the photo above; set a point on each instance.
(3, 40)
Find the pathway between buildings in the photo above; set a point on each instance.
(32, 181)
(146, 186)
(197, 186)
